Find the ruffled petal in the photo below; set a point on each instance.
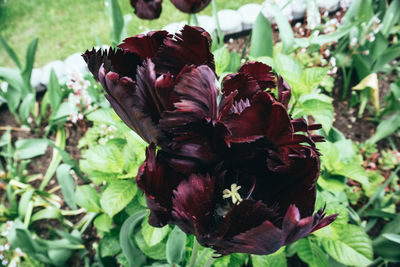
(152, 180)
(147, 9)
(190, 47)
(145, 45)
(246, 86)
(260, 72)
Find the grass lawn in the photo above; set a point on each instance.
(68, 26)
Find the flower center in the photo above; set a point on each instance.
(233, 193)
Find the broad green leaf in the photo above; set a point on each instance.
(10, 51)
(104, 115)
(47, 213)
(392, 237)
(23, 202)
(105, 158)
(54, 91)
(262, 39)
(278, 259)
(26, 106)
(131, 252)
(353, 247)
(234, 62)
(176, 246)
(109, 246)
(221, 58)
(103, 222)
(285, 29)
(288, 67)
(62, 113)
(117, 20)
(12, 77)
(391, 53)
(157, 252)
(12, 98)
(117, 196)
(392, 16)
(30, 148)
(153, 235)
(87, 198)
(387, 248)
(311, 253)
(385, 128)
(67, 184)
(30, 59)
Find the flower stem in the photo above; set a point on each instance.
(210, 261)
(215, 14)
(189, 22)
(195, 251)
(195, 20)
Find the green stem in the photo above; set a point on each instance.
(189, 22)
(220, 38)
(195, 20)
(195, 252)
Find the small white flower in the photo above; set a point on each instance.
(327, 53)
(353, 41)
(332, 61)
(1, 256)
(4, 262)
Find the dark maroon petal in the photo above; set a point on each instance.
(295, 228)
(147, 9)
(260, 72)
(292, 181)
(245, 216)
(190, 6)
(190, 47)
(320, 221)
(264, 116)
(243, 83)
(122, 97)
(152, 180)
(145, 45)
(261, 240)
(193, 205)
(284, 91)
(123, 63)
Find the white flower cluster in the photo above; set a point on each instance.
(79, 96)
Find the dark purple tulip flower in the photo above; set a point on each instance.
(147, 9)
(228, 164)
(190, 6)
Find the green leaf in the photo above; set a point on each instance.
(117, 22)
(47, 213)
(103, 222)
(54, 91)
(285, 29)
(157, 252)
(387, 248)
(87, 198)
(385, 128)
(23, 202)
(67, 184)
(10, 51)
(392, 16)
(176, 246)
(131, 252)
(12, 77)
(311, 253)
(262, 39)
(104, 115)
(26, 106)
(288, 67)
(278, 259)
(153, 235)
(391, 53)
(109, 246)
(117, 196)
(30, 58)
(392, 237)
(105, 158)
(353, 247)
(30, 148)
(62, 113)
(221, 58)
(234, 62)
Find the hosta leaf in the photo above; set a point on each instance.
(278, 259)
(88, 198)
(353, 247)
(117, 196)
(311, 253)
(153, 235)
